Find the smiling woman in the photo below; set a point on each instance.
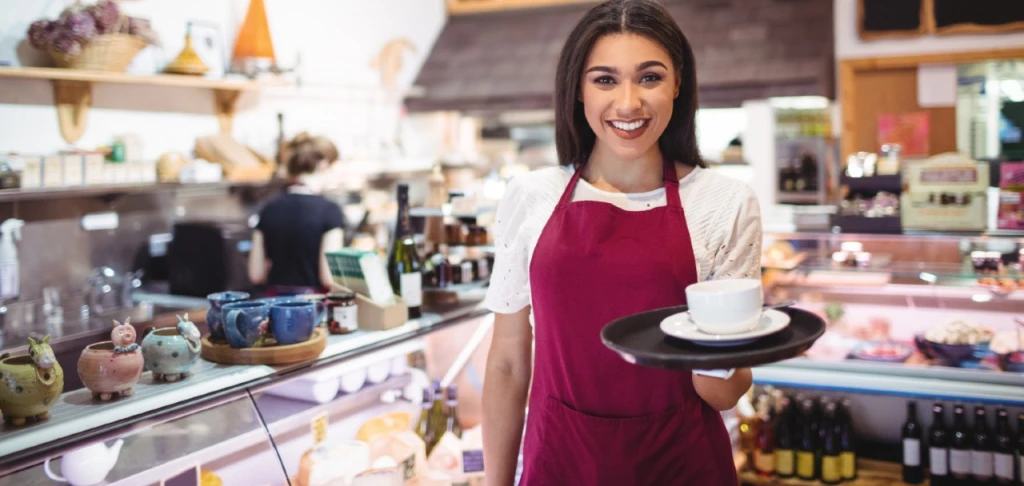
(625, 225)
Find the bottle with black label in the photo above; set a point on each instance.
(938, 448)
(848, 456)
(785, 441)
(1003, 451)
(831, 464)
(404, 265)
(960, 447)
(913, 470)
(808, 442)
(982, 467)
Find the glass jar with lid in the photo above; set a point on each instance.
(342, 312)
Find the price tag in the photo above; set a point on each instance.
(318, 425)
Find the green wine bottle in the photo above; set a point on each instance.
(404, 266)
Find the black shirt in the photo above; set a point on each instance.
(293, 227)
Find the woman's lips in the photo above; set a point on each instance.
(629, 130)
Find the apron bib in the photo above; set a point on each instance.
(595, 419)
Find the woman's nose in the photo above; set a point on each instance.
(628, 100)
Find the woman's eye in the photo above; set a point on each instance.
(604, 80)
(650, 78)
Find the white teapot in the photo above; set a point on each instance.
(87, 465)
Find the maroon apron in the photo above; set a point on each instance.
(595, 419)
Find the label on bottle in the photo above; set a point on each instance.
(1004, 466)
(938, 461)
(764, 463)
(784, 462)
(473, 461)
(805, 465)
(848, 464)
(830, 466)
(959, 461)
(412, 288)
(346, 317)
(981, 464)
(911, 452)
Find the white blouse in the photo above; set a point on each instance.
(722, 215)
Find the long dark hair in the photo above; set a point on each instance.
(574, 138)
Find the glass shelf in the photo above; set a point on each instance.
(923, 272)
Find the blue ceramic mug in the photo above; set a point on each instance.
(215, 315)
(244, 322)
(292, 322)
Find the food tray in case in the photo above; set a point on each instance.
(639, 339)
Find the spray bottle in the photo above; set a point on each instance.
(10, 274)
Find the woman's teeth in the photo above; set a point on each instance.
(629, 127)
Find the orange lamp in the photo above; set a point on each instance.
(254, 37)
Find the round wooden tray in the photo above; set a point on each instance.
(221, 352)
(640, 340)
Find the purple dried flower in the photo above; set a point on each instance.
(40, 33)
(105, 13)
(67, 45)
(80, 27)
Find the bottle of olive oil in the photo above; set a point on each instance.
(404, 265)
(785, 442)
(831, 464)
(805, 455)
(424, 429)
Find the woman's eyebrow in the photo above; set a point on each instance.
(647, 64)
(603, 69)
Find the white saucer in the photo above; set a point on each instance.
(680, 326)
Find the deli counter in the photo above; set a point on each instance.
(261, 424)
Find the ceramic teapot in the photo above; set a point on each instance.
(86, 466)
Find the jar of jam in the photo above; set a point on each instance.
(342, 313)
(476, 235)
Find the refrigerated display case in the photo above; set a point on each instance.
(925, 316)
(253, 425)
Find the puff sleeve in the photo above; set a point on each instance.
(509, 289)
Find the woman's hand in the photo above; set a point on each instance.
(723, 394)
(506, 386)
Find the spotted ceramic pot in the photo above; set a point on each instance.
(170, 352)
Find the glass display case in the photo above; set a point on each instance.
(925, 315)
(256, 424)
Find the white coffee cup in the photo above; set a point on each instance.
(728, 306)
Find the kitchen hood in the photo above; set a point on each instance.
(494, 62)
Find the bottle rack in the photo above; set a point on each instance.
(869, 473)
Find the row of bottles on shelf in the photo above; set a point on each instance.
(440, 268)
(959, 455)
(804, 438)
(439, 415)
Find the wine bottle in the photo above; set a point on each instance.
(818, 422)
(437, 416)
(831, 464)
(424, 428)
(938, 448)
(981, 454)
(764, 451)
(282, 142)
(785, 459)
(808, 442)
(960, 447)
(1003, 451)
(404, 267)
(913, 470)
(846, 443)
(453, 425)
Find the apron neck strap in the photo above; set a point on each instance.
(668, 177)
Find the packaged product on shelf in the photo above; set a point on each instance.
(328, 464)
(405, 448)
(447, 455)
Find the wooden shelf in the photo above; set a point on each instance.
(72, 92)
(57, 74)
(869, 473)
(16, 195)
(457, 7)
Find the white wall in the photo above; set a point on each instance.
(338, 40)
(849, 44)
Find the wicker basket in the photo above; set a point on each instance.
(110, 52)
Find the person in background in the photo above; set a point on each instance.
(297, 228)
(630, 219)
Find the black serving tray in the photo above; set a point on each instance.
(639, 339)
